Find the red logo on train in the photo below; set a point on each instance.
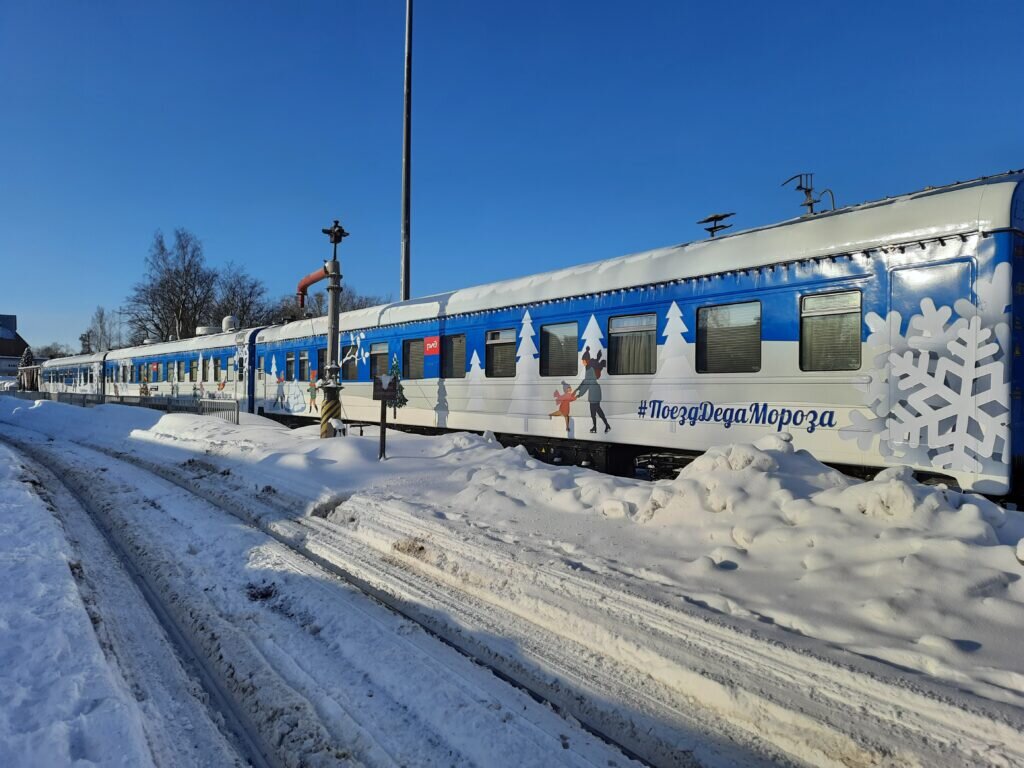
(432, 345)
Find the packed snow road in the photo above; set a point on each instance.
(325, 674)
(90, 673)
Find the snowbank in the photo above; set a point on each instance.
(921, 577)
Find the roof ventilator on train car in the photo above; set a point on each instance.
(715, 220)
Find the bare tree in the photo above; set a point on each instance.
(350, 299)
(177, 293)
(52, 350)
(241, 295)
(287, 307)
(101, 332)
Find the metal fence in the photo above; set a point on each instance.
(223, 409)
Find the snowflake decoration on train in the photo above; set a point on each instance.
(953, 403)
(945, 404)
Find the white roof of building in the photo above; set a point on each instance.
(981, 205)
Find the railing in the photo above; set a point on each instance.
(223, 409)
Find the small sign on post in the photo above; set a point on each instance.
(385, 389)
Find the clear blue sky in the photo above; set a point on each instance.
(545, 133)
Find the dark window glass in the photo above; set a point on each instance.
(289, 367)
(453, 356)
(501, 354)
(729, 338)
(830, 325)
(633, 344)
(193, 370)
(259, 370)
(559, 349)
(412, 359)
(304, 366)
(349, 363)
(216, 369)
(379, 359)
(321, 363)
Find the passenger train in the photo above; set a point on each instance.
(887, 333)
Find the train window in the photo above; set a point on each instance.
(289, 367)
(193, 370)
(633, 344)
(830, 325)
(559, 349)
(501, 354)
(260, 367)
(321, 363)
(729, 338)
(453, 356)
(378, 359)
(204, 374)
(216, 369)
(349, 363)
(303, 366)
(412, 359)
(181, 370)
(231, 369)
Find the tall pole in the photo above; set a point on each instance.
(331, 408)
(406, 150)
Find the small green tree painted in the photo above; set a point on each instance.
(400, 399)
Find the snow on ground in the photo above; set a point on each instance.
(322, 668)
(921, 577)
(62, 702)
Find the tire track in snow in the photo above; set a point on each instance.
(812, 707)
(588, 686)
(246, 737)
(562, 743)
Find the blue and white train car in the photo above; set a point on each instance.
(879, 334)
(80, 375)
(211, 366)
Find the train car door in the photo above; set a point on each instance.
(911, 288)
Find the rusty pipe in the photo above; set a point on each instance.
(313, 277)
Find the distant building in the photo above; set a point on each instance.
(11, 345)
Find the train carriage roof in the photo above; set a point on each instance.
(979, 205)
(73, 361)
(195, 344)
